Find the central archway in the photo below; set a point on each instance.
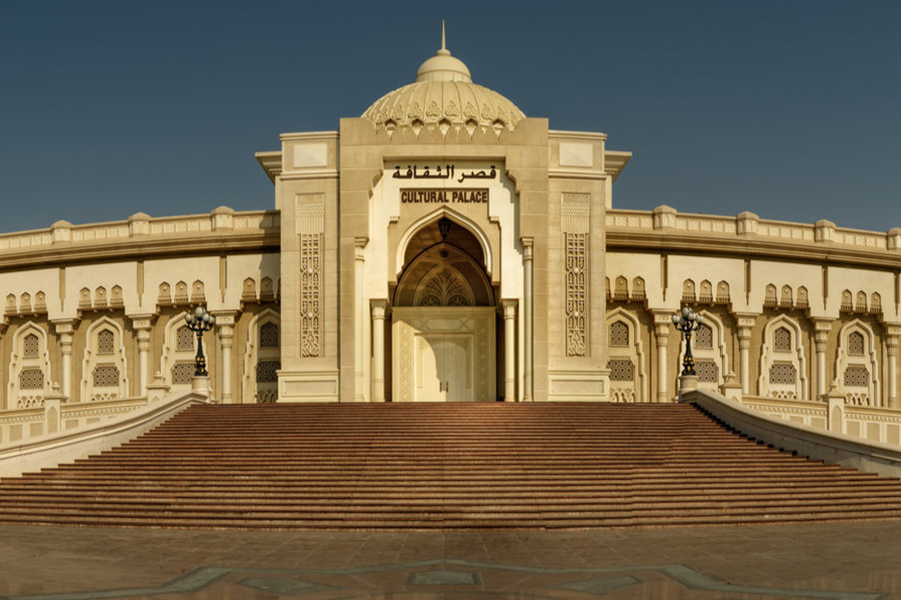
(444, 318)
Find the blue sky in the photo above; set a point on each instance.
(789, 109)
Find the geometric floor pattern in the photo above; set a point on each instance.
(828, 561)
(452, 579)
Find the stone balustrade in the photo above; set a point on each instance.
(748, 225)
(25, 424)
(220, 220)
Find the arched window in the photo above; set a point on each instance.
(709, 349)
(628, 380)
(782, 361)
(856, 364)
(29, 370)
(262, 359)
(177, 362)
(104, 368)
(269, 335)
(184, 339)
(31, 346)
(105, 342)
(619, 334)
(782, 340)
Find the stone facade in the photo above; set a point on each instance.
(445, 246)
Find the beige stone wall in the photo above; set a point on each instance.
(104, 295)
(800, 308)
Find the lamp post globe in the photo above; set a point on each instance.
(200, 321)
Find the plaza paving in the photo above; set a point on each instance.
(853, 561)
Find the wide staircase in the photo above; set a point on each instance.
(423, 466)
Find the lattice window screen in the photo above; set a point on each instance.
(707, 371)
(855, 344)
(31, 379)
(182, 373)
(32, 346)
(619, 334)
(266, 371)
(106, 376)
(783, 374)
(704, 337)
(269, 335)
(857, 376)
(621, 369)
(105, 342)
(782, 340)
(184, 339)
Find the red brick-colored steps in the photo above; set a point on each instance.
(435, 465)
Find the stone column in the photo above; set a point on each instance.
(528, 291)
(891, 343)
(509, 350)
(359, 320)
(822, 327)
(663, 325)
(65, 330)
(378, 349)
(745, 324)
(225, 329)
(141, 325)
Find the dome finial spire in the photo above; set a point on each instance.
(444, 51)
(443, 66)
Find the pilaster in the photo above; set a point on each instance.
(225, 328)
(663, 324)
(378, 308)
(509, 350)
(745, 324)
(142, 325)
(65, 330)
(821, 330)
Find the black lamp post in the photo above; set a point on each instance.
(687, 322)
(200, 322)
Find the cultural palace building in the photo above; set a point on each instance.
(444, 246)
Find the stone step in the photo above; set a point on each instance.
(426, 466)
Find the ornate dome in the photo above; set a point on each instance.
(444, 91)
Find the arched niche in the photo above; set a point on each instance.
(783, 365)
(262, 358)
(104, 365)
(464, 233)
(626, 359)
(440, 270)
(857, 364)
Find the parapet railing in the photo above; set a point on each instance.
(749, 225)
(26, 423)
(141, 225)
(50, 449)
(820, 444)
(882, 425)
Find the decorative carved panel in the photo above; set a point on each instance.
(311, 225)
(445, 287)
(576, 225)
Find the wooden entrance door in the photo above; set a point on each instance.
(444, 367)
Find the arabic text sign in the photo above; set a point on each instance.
(415, 172)
(443, 196)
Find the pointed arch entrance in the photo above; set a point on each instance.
(444, 318)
